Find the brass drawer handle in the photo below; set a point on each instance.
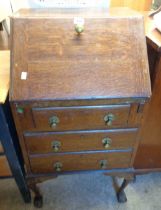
(53, 121)
(56, 146)
(58, 166)
(106, 142)
(109, 118)
(103, 164)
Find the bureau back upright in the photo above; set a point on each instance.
(79, 81)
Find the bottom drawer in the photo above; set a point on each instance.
(4, 167)
(74, 162)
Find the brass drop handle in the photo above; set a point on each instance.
(109, 118)
(103, 164)
(106, 142)
(58, 166)
(53, 121)
(56, 146)
(79, 28)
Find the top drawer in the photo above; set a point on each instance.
(76, 118)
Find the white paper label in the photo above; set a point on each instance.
(79, 21)
(23, 75)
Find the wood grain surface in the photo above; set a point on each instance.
(39, 143)
(80, 118)
(108, 60)
(75, 77)
(45, 164)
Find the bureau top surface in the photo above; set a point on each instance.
(50, 61)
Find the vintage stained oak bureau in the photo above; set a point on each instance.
(79, 82)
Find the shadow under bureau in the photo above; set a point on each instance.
(79, 82)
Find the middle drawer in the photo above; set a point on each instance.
(52, 142)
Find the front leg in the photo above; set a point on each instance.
(38, 199)
(121, 196)
(32, 183)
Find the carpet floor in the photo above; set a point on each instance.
(86, 192)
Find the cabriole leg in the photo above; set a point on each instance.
(121, 196)
(38, 199)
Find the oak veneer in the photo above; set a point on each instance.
(48, 38)
(80, 117)
(86, 83)
(39, 143)
(79, 162)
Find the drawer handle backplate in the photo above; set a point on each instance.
(103, 164)
(56, 146)
(53, 121)
(106, 142)
(58, 166)
(109, 118)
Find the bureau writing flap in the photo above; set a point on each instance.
(107, 60)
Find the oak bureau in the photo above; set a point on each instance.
(79, 82)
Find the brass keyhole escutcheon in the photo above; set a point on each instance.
(106, 142)
(103, 164)
(58, 166)
(53, 121)
(56, 145)
(109, 118)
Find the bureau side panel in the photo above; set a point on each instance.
(149, 152)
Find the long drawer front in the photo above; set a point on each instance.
(4, 167)
(76, 162)
(78, 118)
(53, 142)
(74, 118)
